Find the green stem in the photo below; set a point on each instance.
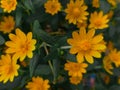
(49, 62)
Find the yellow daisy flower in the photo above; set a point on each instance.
(7, 25)
(76, 11)
(8, 5)
(52, 6)
(20, 45)
(98, 20)
(114, 56)
(96, 3)
(8, 68)
(112, 2)
(86, 45)
(75, 69)
(75, 80)
(107, 64)
(38, 84)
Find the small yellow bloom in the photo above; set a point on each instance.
(75, 69)
(96, 3)
(8, 68)
(112, 2)
(76, 11)
(38, 84)
(98, 20)
(75, 80)
(7, 25)
(20, 45)
(86, 45)
(114, 56)
(52, 6)
(108, 65)
(8, 5)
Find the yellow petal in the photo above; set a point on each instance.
(97, 39)
(73, 50)
(90, 33)
(80, 57)
(95, 54)
(99, 47)
(89, 58)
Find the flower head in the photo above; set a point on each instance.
(98, 20)
(96, 3)
(86, 45)
(52, 6)
(75, 69)
(8, 68)
(20, 45)
(38, 84)
(76, 11)
(7, 25)
(114, 56)
(107, 65)
(8, 5)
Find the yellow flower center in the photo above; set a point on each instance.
(85, 45)
(76, 12)
(24, 48)
(98, 23)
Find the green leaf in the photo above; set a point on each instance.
(53, 54)
(33, 64)
(18, 17)
(2, 40)
(56, 66)
(42, 70)
(29, 5)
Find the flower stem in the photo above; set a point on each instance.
(49, 62)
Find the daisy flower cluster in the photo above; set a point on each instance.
(59, 44)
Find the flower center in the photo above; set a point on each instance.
(85, 45)
(24, 48)
(98, 23)
(76, 12)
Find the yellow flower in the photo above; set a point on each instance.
(7, 25)
(76, 11)
(8, 68)
(75, 80)
(118, 79)
(114, 56)
(21, 45)
(86, 45)
(38, 84)
(96, 3)
(8, 5)
(107, 64)
(75, 69)
(98, 20)
(52, 6)
(112, 2)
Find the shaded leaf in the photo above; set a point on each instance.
(2, 40)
